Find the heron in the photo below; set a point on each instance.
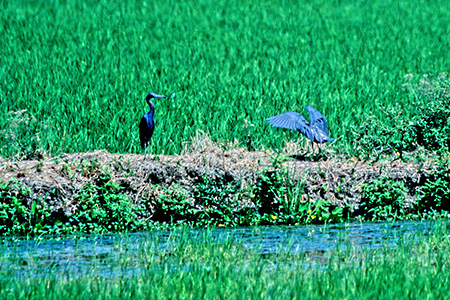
(147, 124)
(316, 130)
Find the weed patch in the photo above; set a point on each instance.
(17, 215)
(100, 208)
(384, 199)
(435, 193)
(428, 128)
(103, 208)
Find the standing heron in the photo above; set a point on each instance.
(315, 131)
(147, 124)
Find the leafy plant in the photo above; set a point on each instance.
(104, 208)
(172, 207)
(217, 201)
(17, 215)
(280, 198)
(435, 193)
(427, 127)
(25, 135)
(277, 196)
(432, 126)
(383, 199)
(376, 137)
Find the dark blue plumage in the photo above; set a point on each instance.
(315, 131)
(147, 124)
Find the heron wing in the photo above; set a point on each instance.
(146, 127)
(305, 129)
(319, 135)
(318, 120)
(294, 121)
(288, 120)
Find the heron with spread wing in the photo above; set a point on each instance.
(316, 130)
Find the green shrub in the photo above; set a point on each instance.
(375, 138)
(427, 127)
(24, 135)
(172, 207)
(218, 201)
(383, 199)
(20, 216)
(435, 193)
(101, 208)
(432, 126)
(281, 199)
(215, 202)
(104, 208)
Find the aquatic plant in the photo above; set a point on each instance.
(193, 265)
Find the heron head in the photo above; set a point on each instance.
(153, 95)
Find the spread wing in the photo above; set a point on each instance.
(317, 120)
(288, 120)
(292, 120)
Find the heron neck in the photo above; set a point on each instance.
(152, 108)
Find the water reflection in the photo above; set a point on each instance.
(100, 254)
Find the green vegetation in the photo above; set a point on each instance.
(422, 137)
(282, 200)
(103, 206)
(435, 194)
(423, 129)
(16, 216)
(274, 199)
(202, 266)
(100, 208)
(73, 78)
(277, 197)
(74, 74)
(384, 199)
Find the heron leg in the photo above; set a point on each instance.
(145, 151)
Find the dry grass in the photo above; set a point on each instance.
(338, 181)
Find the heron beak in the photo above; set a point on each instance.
(153, 95)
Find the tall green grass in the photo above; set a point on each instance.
(81, 69)
(203, 267)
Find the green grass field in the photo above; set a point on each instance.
(202, 267)
(74, 75)
(81, 69)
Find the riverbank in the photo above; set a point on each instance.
(58, 179)
(100, 191)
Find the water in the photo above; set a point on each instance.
(100, 254)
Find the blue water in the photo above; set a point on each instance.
(89, 253)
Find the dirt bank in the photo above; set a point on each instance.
(57, 179)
